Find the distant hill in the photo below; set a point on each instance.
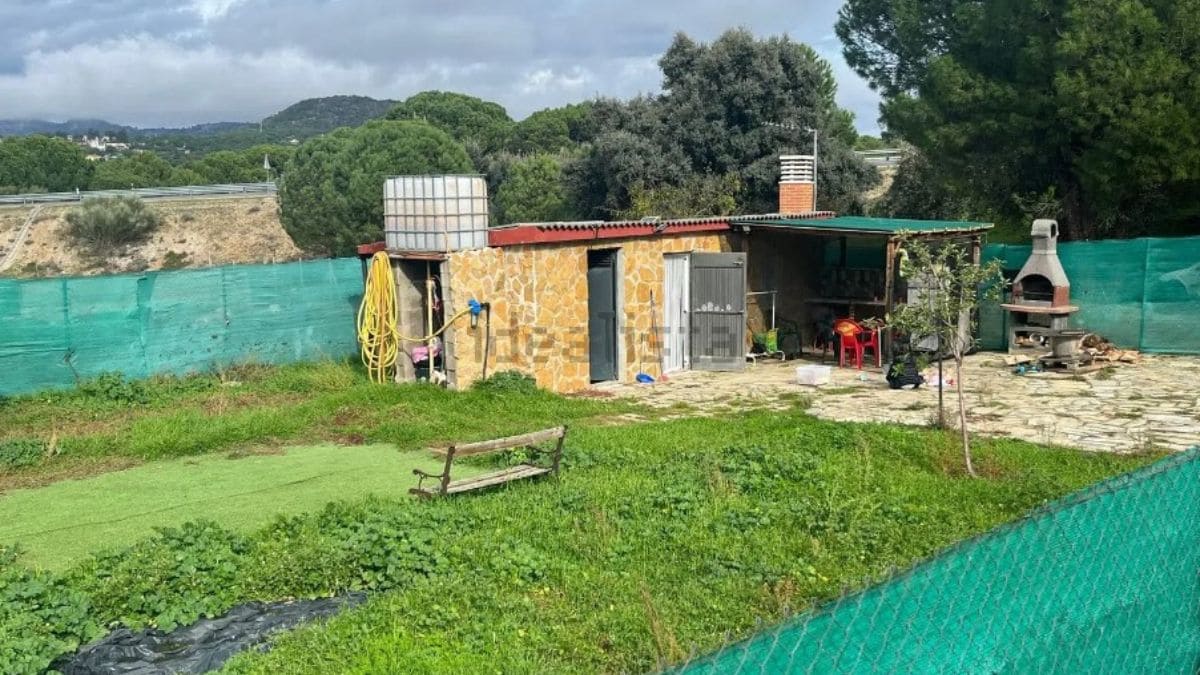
(314, 116)
(83, 126)
(206, 129)
(73, 127)
(301, 120)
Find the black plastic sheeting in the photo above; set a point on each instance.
(201, 647)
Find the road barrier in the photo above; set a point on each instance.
(225, 189)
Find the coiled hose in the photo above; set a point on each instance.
(379, 335)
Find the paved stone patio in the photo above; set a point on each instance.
(1130, 407)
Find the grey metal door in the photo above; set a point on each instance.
(602, 315)
(718, 304)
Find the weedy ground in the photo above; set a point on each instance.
(658, 537)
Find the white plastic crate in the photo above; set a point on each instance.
(813, 376)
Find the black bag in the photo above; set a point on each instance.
(904, 373)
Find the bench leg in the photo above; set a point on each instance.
(446, 471)
(558, 452)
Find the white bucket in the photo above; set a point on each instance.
(813, 376)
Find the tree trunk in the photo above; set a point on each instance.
(1079, 224)
(962, 416)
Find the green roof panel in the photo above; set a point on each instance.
(864, 225)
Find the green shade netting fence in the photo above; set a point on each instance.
(175, 322)
(1138, 293)
(1105, 581)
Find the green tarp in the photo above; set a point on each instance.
(55, 330)
(1104, 581)
(1138, 293)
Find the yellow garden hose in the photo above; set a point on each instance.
(378, 331)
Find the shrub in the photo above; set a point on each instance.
(508, 382)
(173, 579)
(384, 546)
(174, 261)
(103, 225)
(40, 617)
(19, 452)
(115, 388)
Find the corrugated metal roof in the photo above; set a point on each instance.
(864, 225)
(559, 232)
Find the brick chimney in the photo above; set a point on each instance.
(797, 184)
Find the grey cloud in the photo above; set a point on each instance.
(140, 62)
(32, 25)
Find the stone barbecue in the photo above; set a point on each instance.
(1041, 306)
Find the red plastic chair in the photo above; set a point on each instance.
(869, 339)
(848, 331)
(855, 340)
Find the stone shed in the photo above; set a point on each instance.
(579, 303)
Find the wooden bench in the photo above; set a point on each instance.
(446, 486)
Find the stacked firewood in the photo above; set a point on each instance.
(1098, 349)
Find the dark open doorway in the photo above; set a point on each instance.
(602, 314)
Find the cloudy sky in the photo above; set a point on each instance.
(157, 63)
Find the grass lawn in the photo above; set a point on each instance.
(121, 423)
(658, 536)
(58, 524)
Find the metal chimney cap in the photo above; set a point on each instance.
(1045, 228)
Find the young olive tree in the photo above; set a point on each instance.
(955, 286)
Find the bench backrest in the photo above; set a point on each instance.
(532, 438)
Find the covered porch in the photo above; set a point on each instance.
(803, 274)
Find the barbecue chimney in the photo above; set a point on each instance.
(1042, 281)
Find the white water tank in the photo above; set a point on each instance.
(435, 213)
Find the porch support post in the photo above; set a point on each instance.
(889, 291)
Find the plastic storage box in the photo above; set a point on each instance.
(813, 376)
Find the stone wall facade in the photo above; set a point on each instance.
(539, 307)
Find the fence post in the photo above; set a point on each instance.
(68, 349)
(144, 295)
(1142, 304)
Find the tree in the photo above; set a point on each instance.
(533, 192)
(53, 164)
(241, 166)
(542, 131)
(104, 225)
(917, 193)
(1087, 100)
(891, 42)
(729, 107)
(954, 288)
(867, 143)
(554, 129)
(480, 125)
(735, 105)
(143, 169)
(332, 196)
(602, 181)
(699, 194)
